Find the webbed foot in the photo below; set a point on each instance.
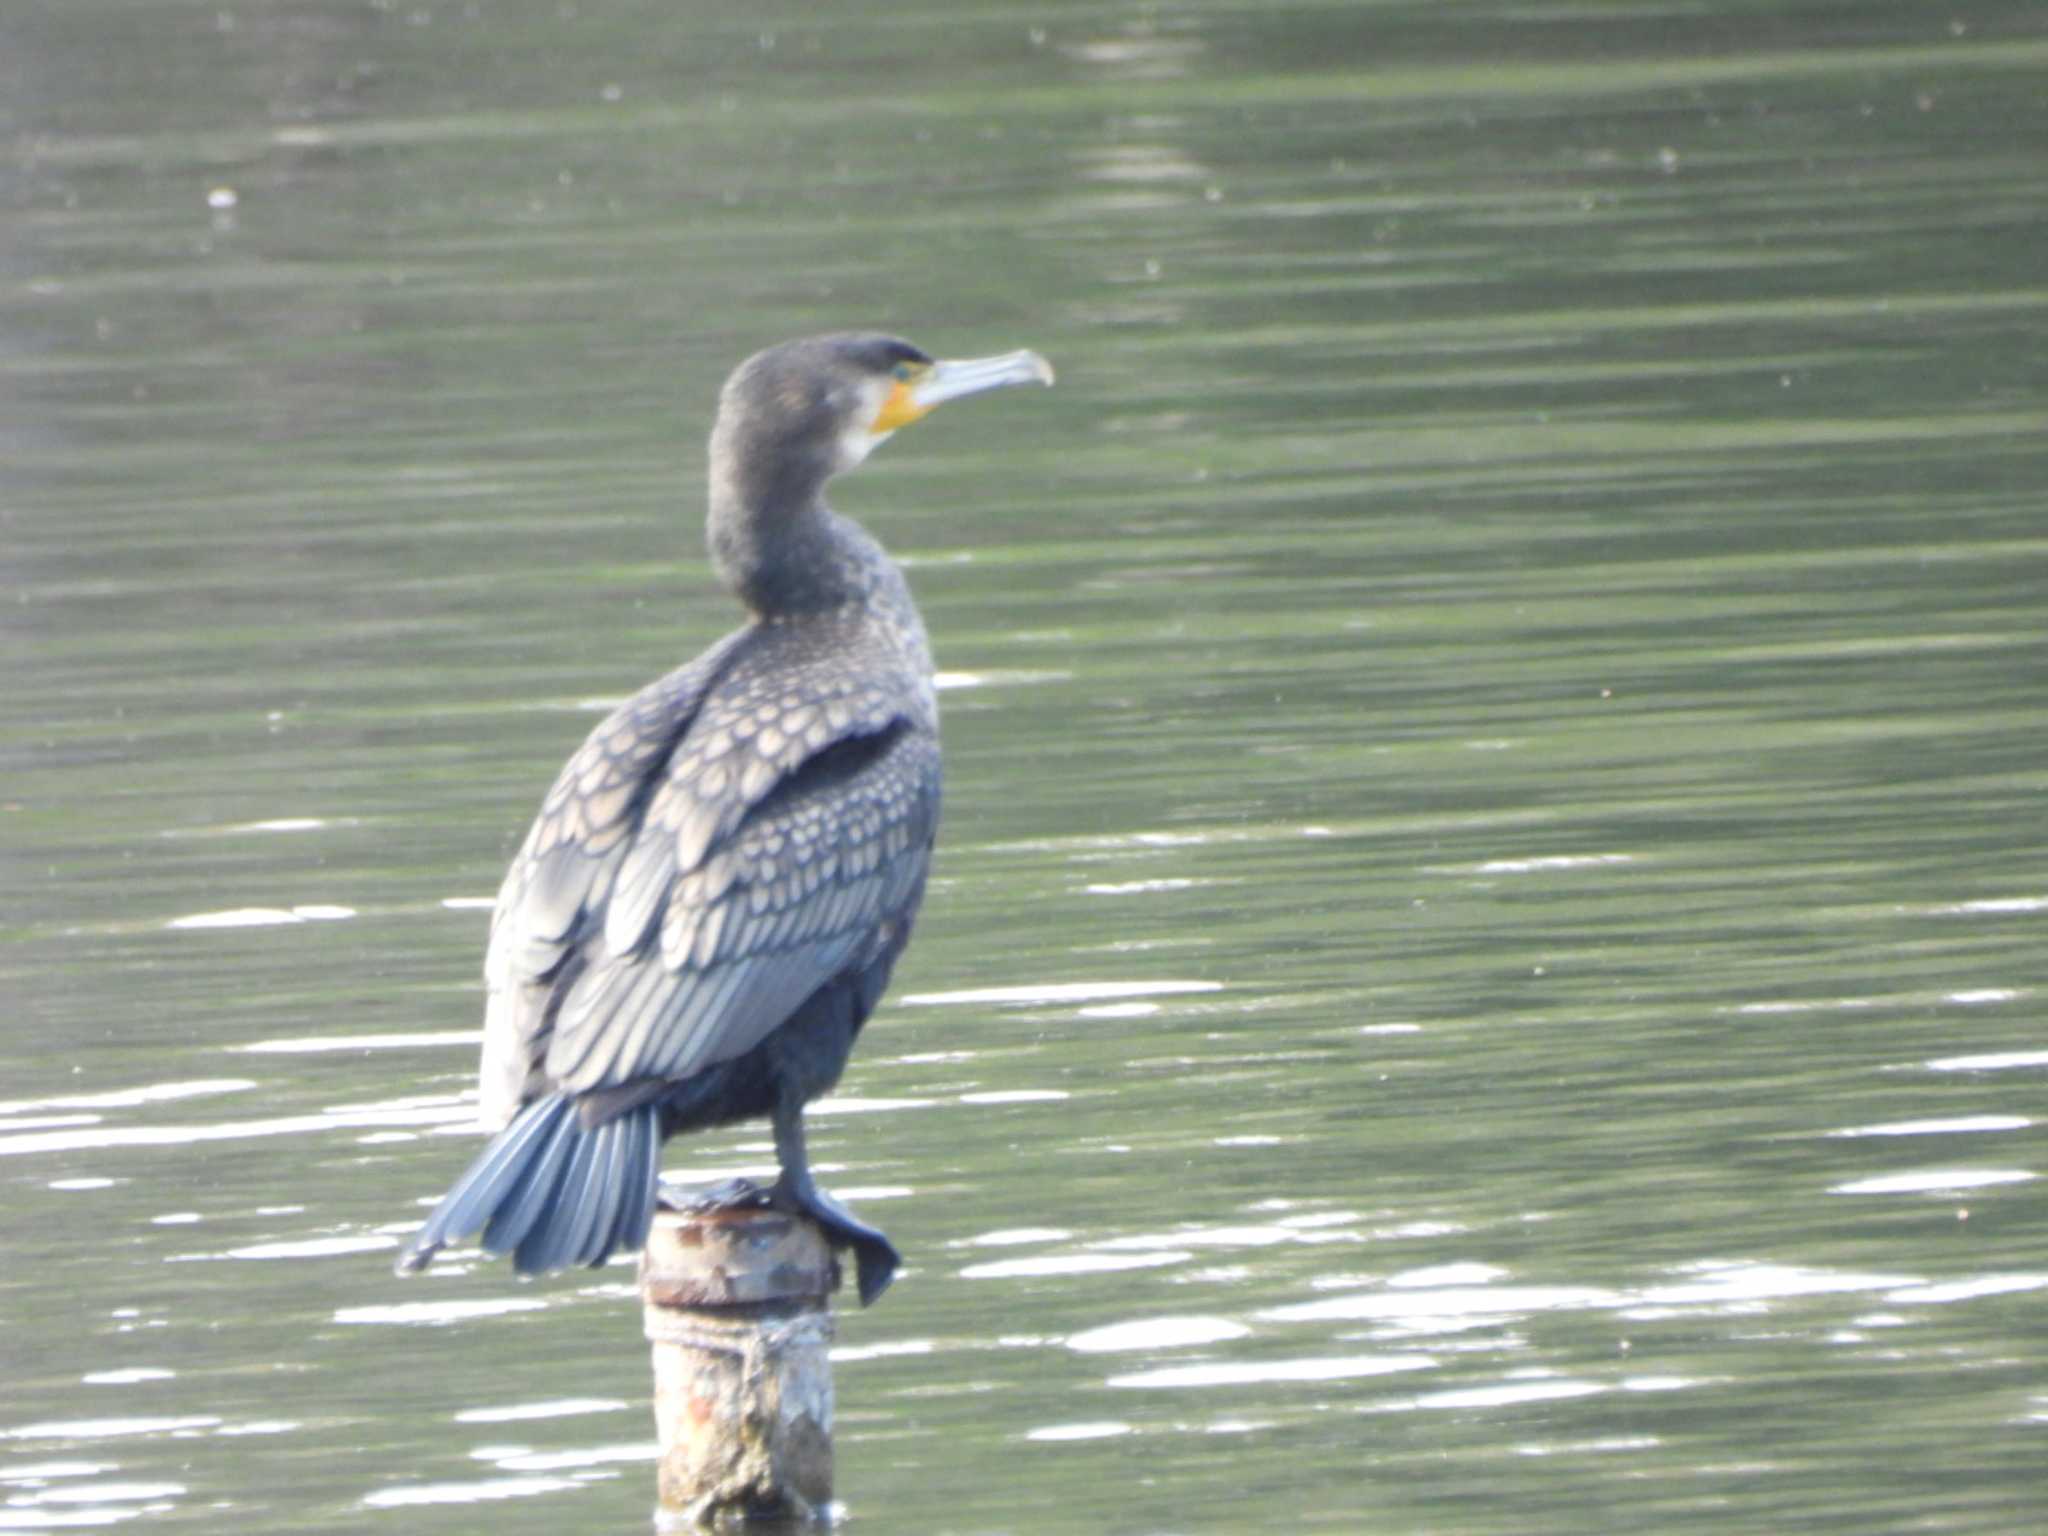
(875, 1257)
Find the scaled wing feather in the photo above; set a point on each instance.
(720, 847)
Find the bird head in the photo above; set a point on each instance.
(794, 415)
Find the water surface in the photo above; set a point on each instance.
(1485, 963)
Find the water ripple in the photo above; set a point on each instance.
(1932, 1181)
(1242, 1374)
(133, 1098)
(345, 1117)
(316, 1044)
(1092, 1429)
(485, 1490)
(1071, 1264)
(110, 1429)
(1506, 1395)
(1156, 1333)
(554, 1408)
(435, 1314)
(1060, 992)
(263, 917)
(1957, 1125)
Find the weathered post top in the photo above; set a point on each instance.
(737, 1305)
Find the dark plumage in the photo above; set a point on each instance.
(709, 905)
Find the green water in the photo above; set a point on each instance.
(1484, 970)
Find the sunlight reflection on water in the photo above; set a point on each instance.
(1933, 1181)
(263, 917)
(314, 1045)
(1156, 1333)
(1070, 1264)
(1093, 1429)
(1244, 1374)
(435, 1313)
(397, 1112)
(480, 1492)
(1059, 992)
(1955, 1126)
(554, 1408)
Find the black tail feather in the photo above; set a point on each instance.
(552, 1192)
(508, 1199)
(476, 1196)
(561, 1228)
(640, 1165)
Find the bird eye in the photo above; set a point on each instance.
(903, 371)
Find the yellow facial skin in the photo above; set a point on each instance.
(900, 407)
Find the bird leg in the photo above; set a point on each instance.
(875, 1257)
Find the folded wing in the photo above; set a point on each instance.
(719, 848)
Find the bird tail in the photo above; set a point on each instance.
(552, 1191)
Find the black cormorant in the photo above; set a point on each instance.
(708, 906)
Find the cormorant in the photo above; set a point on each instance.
(709, 904)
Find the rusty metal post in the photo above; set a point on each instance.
(737, 1304)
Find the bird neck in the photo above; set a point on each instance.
(785, 558)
